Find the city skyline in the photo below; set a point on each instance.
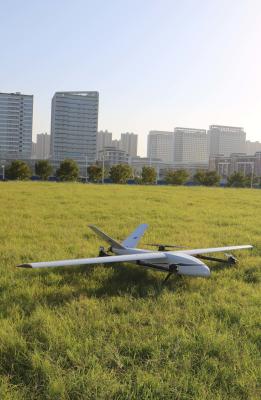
(113, 140)
(153, 66)
(74, 133)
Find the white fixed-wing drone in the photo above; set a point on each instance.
(181, 262)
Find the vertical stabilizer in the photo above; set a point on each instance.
(135, 237)
(107, 238)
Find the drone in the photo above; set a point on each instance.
(179, 262)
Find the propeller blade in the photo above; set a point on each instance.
(165, 245)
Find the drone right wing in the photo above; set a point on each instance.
(194, 252)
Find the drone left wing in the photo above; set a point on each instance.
(195, 252)
(95, 260)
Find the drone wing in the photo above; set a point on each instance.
(195, 252)
(96, 260)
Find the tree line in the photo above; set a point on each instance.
(121, 173)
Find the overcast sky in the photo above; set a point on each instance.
(156, 64)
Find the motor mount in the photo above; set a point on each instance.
(231, 259)
(102, 252)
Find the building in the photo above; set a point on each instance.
(33, 152)
(161, 145)
(252, 147)
(138, 163)
(129, 143)
(190, 146)
(226, 166)
(16, 120)
(113, 156)
(162, 168)
(225, 140)
(104, 139)
(41, 149)
(116, 143)
(74, 126)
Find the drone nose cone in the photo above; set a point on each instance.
(205, 271)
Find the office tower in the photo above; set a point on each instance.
(104, 139)
(129, 143)
(33, 152)
(74, 126)
(226, 140)
(252, 147)
(190, 146)
(42, 146)
(16, 119)
(161, 145)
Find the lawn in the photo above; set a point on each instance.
(115, 332)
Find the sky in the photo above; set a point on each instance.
(156, 64)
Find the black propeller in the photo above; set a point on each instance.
(163, 247)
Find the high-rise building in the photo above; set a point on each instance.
(252, 147)
(225, 140)
(74, 126)
(190, 146)
(41, 149)
(129, 143)
(33, 152)
(16, 120)
(104, 139)
(161, 145)
(116, 143)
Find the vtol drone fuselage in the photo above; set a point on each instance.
(181, 262)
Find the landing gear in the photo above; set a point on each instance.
(167, 277)
(173, 269)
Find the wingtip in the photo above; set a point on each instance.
(91, 226)
(24, 266)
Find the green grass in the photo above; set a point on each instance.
(114, 332)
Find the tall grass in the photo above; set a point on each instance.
(115, 332)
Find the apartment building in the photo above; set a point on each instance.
(161, 145)
(190, 146)
(129, 143)
(225, 140)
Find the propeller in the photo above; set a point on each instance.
(162, 247)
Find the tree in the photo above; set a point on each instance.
(94, 173)
(199, 177)
(18, 170)
(237, 179)
(68, 170)
(207, 178)
(148, 175)
(178, 177)
(43, 169)
(211, 178)
(251, 180)
(120, 173)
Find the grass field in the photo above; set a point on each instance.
(114, 332)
